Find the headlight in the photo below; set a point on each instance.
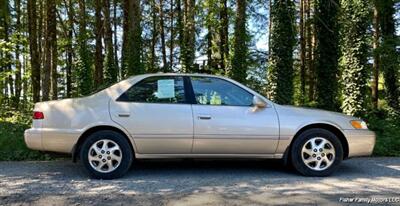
(358, 124)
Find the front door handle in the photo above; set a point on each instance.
(204, 117)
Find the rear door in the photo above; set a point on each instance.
(156, 114)
(226, 122)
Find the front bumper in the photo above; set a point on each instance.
(361, 142)
(33, 139)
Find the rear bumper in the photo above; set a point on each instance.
(361, 142)
(51, 140)
(33, 139)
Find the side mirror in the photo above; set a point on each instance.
(258, 102)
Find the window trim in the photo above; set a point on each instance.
(119, 99)
(193, 97)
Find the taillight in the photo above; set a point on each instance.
(38, 115)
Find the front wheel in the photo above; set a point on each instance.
(106, 155)
(316, 152)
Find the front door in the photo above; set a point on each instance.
(226, 122)
(155, 113)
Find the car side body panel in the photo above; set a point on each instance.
(66, 120)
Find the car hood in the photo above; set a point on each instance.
(303, 116)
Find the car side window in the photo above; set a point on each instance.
(158, 89)
(216, 91)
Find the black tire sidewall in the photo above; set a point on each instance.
(298, 144)
(127, 154)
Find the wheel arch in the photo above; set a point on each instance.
(77, 147)
(325, 126)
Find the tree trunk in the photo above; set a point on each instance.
(302, 54)
(239, 65)
(269, 26)
(172, 40)
(111, 71)
(84, 73)
(5, 16)
(18, 83)
(310, 38)
(180, 30)
(327, 53)
(69, 50)
(98, 57)
(388, 54)
(125, 30)
(132, 38)
(54, 56)
(154, 35)
(210, 60)
(223, 33)
(33, 49)
(189, 36)
(375, 67)
(283, 40)
(162, 35)
(115, 36)
(48, 48)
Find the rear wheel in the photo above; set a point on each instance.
(316, 152)
(106, 155)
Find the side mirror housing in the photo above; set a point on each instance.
(258, 102)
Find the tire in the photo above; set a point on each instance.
(108, 162)
(308, 158)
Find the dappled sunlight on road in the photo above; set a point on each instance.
(198, 182)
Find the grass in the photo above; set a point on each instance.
(13, 124)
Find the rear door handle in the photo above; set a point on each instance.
(204, 117)
(124, 115)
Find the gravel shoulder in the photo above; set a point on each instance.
(198, 182)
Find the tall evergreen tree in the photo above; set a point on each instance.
(83, 67)
(280, 70)
(355, 20)
(327, 53)
(239, 65)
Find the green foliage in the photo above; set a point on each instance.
(188, 49)
(133, 58)
(84, 73)
(327, 53)
(390, 60)
(132, 62)
(280, 70)
(240, 52)
(12, 145)
(387, 132)
(355, 20)
(110, 69)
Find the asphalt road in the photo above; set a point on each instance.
(199, 182)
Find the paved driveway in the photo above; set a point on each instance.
(199, 182)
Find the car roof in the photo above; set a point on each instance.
(176, 74)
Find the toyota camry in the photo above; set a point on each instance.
(192, 116)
